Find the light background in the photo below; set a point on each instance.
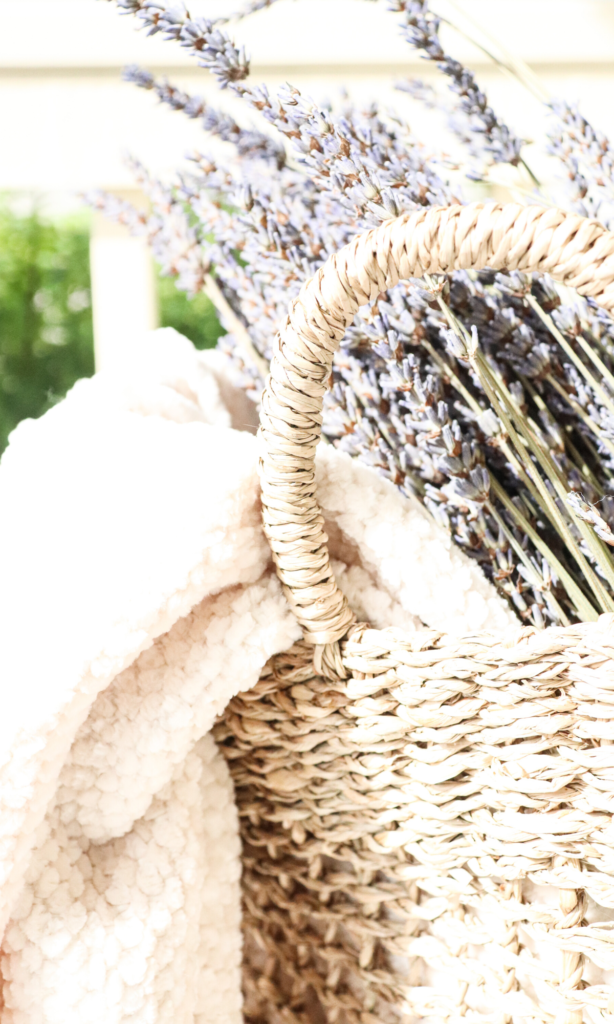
(66, 118)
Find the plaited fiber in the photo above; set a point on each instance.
(575, 251)
(426, 818)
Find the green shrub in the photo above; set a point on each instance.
(195, 317)
(46, 338)
(46, 334)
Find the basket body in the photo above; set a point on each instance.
(427, 820)
(431, 837)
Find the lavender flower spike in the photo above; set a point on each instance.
(212, 47)
(488, 134)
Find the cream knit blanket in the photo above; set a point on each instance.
(137, 596)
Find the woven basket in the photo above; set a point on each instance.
(426, 819)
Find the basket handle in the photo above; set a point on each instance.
(574, 250)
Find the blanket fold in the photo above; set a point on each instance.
(137, 596)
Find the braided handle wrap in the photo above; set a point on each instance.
(574, 250)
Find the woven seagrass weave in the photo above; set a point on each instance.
(426, 819)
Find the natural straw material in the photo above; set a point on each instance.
(432, 836)
(575, 251)
(426, 819)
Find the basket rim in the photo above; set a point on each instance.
(574, 250)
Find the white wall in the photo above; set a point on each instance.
(66, 118)
(124, 302)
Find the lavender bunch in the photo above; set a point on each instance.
(488, 396)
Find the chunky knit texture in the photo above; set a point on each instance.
(137, 597)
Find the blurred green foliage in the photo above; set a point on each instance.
(46, 335)
(46, 340)
(195, 317)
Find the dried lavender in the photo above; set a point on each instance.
(250, 8)
(588, 157)
(488, 396)
(485, 134)
(212, 47)
(249, 142)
